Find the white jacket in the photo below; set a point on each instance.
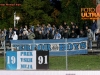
(14, 36)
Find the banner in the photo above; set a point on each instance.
(34, 54)
(51, 45)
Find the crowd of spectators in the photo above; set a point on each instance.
(45, 32)
(51, 32)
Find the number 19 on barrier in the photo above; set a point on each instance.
(11, 59)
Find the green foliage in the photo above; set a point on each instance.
(71, 10)
(38, 10)
(41, 11)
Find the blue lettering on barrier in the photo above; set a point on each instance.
(22, 47)
(39, 46)
(43, 47)
(76, 46)
(49, 47)
(83, 45)
(69, 46)
(28, 47)
(26, 54)
(26, 66)
(62, 47)
(26, 59)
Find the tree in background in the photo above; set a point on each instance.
(43, 11)
(39, 11)
(71, 10)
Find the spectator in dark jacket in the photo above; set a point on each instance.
(94, 28)
(61, 30)
(53, 31)
(77, 31)
(49, 35)
(73, 34)
(81, 34)
(24, 36)
(20, 36)
(40, 35)
(86, 31)
(66, 34)
(84, 25)
(36, 33)
(65, 25)
(73, 27)
(98, 39)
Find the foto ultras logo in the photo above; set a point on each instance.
(90, 13)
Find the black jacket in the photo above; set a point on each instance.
(73, 35)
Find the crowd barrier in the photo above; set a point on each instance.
(34, 54)
(59, 47)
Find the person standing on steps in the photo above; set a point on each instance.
(90, 38)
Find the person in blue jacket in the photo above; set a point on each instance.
(94, 28)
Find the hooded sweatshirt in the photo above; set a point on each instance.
(15, 36)
(90, 35)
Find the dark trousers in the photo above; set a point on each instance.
(98, 43)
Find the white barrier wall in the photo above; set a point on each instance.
(49, 72)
